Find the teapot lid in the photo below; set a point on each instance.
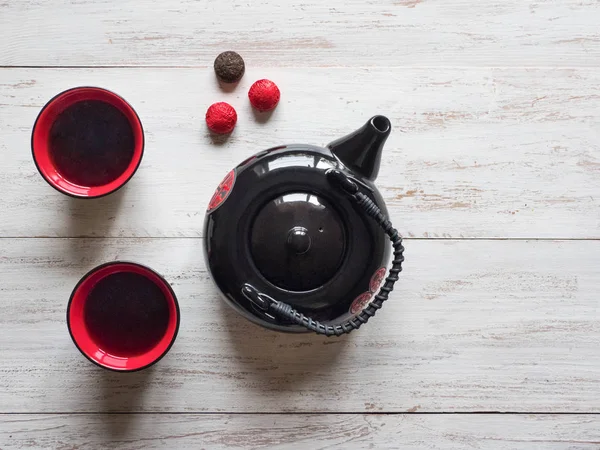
(298, 241)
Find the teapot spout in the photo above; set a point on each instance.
(361, 151)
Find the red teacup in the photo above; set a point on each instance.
(87, 142)
(123, 316)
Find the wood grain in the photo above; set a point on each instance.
(311, 33)
(473, 153)
(317, 432)
(472, 326)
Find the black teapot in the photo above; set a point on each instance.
(297, 235)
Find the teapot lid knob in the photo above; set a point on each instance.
(298, 240)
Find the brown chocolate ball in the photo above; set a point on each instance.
(229, 67)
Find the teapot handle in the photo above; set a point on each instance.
(281, 309)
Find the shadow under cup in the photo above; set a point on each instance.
(87, 142)
(123, 316)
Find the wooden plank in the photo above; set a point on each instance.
(310, 33)
(290, 431)
(474, 152)
(472, 326)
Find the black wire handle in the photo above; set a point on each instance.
(277, 308)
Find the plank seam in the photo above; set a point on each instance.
(326, 67)
(304, 413)
(549, 239)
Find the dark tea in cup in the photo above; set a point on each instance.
(87, 142)
(123, 316)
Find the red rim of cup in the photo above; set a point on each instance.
(41, 132)
(89, 348)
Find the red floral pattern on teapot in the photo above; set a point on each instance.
(222, 191)
(362, 301)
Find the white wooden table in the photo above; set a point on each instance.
(492, 173)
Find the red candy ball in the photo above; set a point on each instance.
(221, 118)
(264, 95)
